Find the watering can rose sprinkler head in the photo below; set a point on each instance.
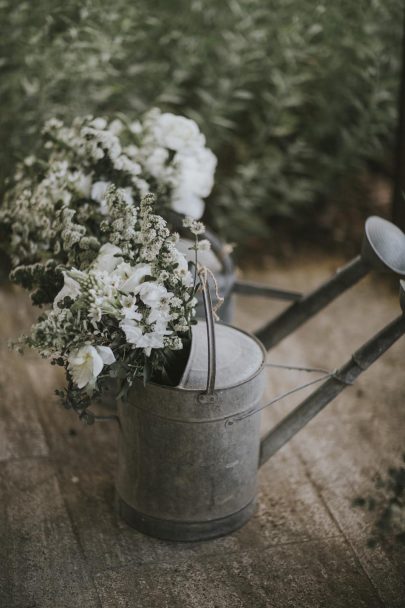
(383, 249)
(383, 246)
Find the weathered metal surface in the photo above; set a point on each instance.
(383, 246)
(238, 357)
(185, 472)
(248, 288)
(383, 249)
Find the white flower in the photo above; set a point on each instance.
(98, 123)
(155, 338)
(160, 315)
(29, 161)
(182, 267)
(131, 151)
(108, 258)
(187, 203)
(135, 275)
(204, 245)
(127, 193)
(152, 294)
(122, 272)
(155, 163)
(123, 163)
(130, 313)
(132, 330)
(192, 181)
(135, 127)
(99, 189)
(195, 228)
(142, 185)
(82, 184)
(71, 289)
(87, 362)
(135, 335)
(151, 340)
(116, 126)
(98, 192)
(196, 170)
(177, 132)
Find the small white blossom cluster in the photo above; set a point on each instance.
(124, 313)
(58, 202)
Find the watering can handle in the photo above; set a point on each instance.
(209, 319)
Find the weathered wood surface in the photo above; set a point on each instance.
(62, 544)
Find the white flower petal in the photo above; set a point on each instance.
(187, 203)
(136, 274)
(106, 354)
(87, 362)
(71, 289)
(98, 190)
(132, 331)
(97, 363)
(108, 258)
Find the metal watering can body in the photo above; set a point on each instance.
(186, 471)
(188, 459)
(188, 456)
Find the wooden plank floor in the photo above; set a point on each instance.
(62, 545)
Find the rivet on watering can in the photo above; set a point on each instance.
(206, 399)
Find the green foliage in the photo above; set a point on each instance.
(292, 96)
(44, 281)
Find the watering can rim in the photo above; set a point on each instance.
(251, 377)
(370, 222)
(197, 391)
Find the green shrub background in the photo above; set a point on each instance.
(293, 96)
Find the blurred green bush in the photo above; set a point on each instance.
(293, 95)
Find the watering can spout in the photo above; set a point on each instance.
(383, 249)
(335, 384)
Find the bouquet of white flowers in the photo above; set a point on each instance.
(53, 215)
(128, 314)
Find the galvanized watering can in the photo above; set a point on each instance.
(186, 472)
(188, 456)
